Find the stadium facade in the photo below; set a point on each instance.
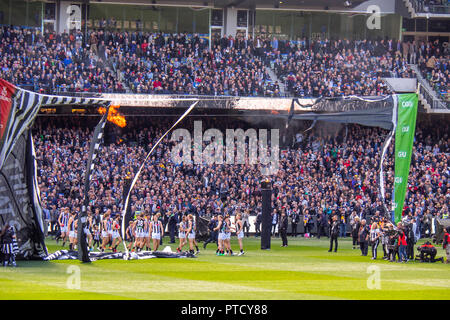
(284, 19)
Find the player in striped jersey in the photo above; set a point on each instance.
(63, 220)
(138, 228)
(147, 232)
(191, 234)
(375, 235)
(227, 238)
(221, 229)
(72, 227)
(106, 229)
(157, 231)
(87, 230)
(182, 233)
(8, 247)
(97, 237)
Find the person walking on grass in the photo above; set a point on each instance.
(157, 231)
(240, 232)
(138, 228)
(191, 234)
(129, 238)
(116, 238)
(402, 244)
(334, 233)
(212, 233)
(283, 228)
(182, 227)
(363, 236)
(355, 224)
(73, 227)
(221, 227)
(63, 221)
(374, 239)
(228, 230)
(8, 247)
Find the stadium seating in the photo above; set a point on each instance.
(325, 171)
(184, 64)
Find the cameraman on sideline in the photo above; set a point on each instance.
(392, 239)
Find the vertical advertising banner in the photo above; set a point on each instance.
(6, 92)
(404, 137)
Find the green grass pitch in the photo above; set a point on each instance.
(304, 270)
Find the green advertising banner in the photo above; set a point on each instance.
(404, 137)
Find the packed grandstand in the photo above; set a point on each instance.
(330, 168)
(321, 171)
(137, 62)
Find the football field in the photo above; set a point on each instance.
(304, 270)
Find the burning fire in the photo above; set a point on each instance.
(114, 116)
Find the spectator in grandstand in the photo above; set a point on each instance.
(49, 63)
(144, 62)
(433, 62)
(336, 68)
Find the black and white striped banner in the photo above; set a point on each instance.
(19, 192)
(24, 107)
(142, 255)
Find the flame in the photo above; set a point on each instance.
(114, 116)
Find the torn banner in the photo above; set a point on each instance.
(19, 193)
(93, 256)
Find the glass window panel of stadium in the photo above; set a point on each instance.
(21, 13)
(150, 18)
(297, 25)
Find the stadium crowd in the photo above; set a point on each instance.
(184, 64)
(342, 67)
(433, 62)
(434, 6)
(52, 63)
(322, 174)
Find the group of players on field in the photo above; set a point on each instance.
(100, 234)
(143, 231)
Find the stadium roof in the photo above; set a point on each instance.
(291, 4)
(246, 4)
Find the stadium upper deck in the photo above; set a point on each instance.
(285, 19)
(277, 48)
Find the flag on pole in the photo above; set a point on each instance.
(404, 138)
